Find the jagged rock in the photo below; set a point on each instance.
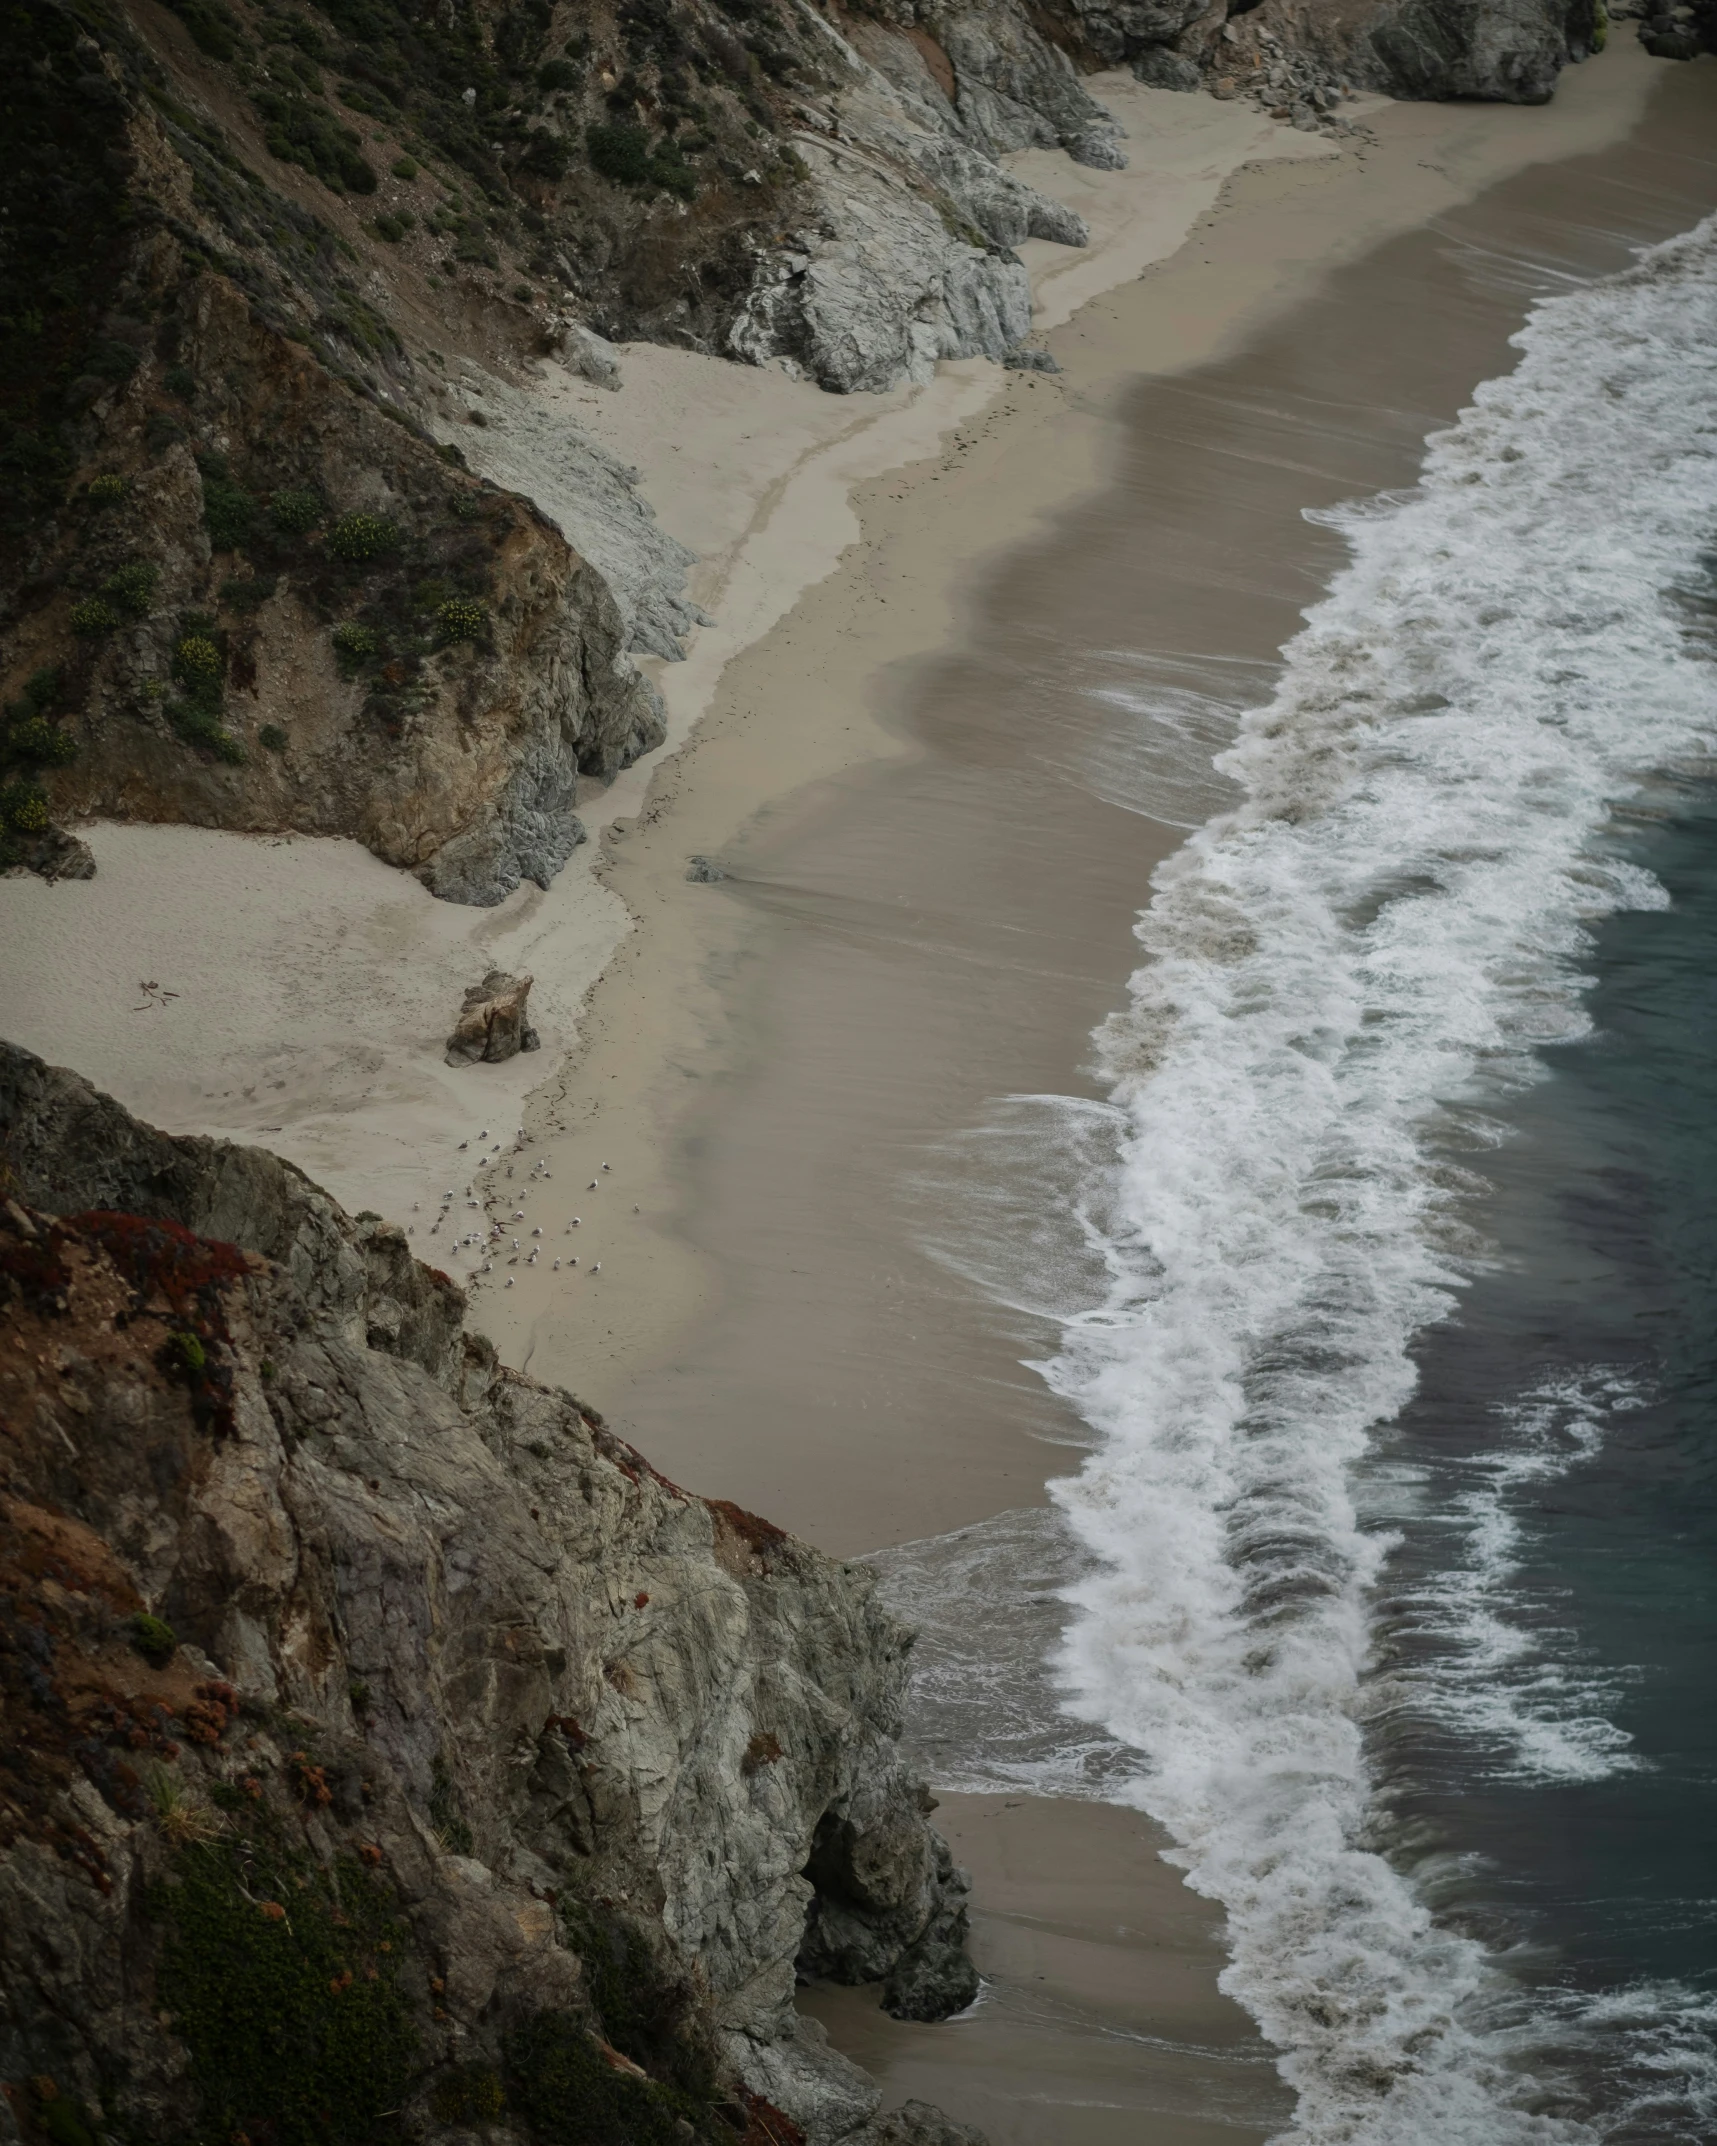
(431, 1645)
(1030, 361)
(450, 744)
(1507, 50)
(492, 1025)
(704, 873)
(586, 353)
(54, 854)
(1162, 69)
(1682, 42)
(914, 2123)
(592, 498)
(876, 1874)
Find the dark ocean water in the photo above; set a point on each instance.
(1563, 1453)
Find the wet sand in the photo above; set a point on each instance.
(906, 941)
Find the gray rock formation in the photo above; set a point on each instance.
(909, 258)
(1505, 50)
(589, 495)
(492, 1025)
(363, 1681)
(53, 854)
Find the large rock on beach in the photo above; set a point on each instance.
(492, 1025)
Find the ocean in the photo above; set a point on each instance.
(1386, 1582)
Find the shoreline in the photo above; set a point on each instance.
(763, 1327)
(821, 700)
(317, 1026)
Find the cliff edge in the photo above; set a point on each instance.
(386, 1750)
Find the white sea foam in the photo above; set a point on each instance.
(1495, 1668)
(1343, 975)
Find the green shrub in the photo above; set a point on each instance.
(461, 618)
(229, 512)
(300, 131)
(180, 381)
(360, 538)
(92, 616)
(394, 228)
(558, 74)
(35, 742)
(23, 809)
(248, 595)
(153, 1637)
(568, 2093)
(214, 29)
(199, 665)
(546, 155)
(620, 152)
(283, 1981)
(405, 167)
(199, 724)
(132, 588)
(471, 2094)
(106, 490)
(355, 645)
(297, 512)
(272, 738)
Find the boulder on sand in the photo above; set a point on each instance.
(492, 1024)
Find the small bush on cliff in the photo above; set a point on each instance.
(214, 29)
(461, 618)
(272, 738)
(568, 2094)
(296, 512)
(132, 588)
(359, 539)
(92, 616)
(199, 666)
(154, 1638)
(229, 512)
(283, 1981)
(304, 132)
(23, 810)
(355, 646)
(33, 741)
(107, 490)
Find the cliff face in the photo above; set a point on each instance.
(242, 589)
(1510, 51)
(385, 1749)
(257, 260)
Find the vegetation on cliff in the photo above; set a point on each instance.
(386, 1750)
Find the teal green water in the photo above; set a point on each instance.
(1568, 1422)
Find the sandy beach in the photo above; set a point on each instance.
(780, 1104)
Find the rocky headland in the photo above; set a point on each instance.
(386, 1749)
(286, 542)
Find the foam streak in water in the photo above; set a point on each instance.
(1342, 973)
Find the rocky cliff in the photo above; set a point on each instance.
(266, 268)
(386, 1750)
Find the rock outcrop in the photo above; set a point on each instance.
(492, 1026)
(243, 587)
(1680, 32)
(386, 1750)
(1297, 56)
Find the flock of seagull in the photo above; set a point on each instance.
(493, 1239)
